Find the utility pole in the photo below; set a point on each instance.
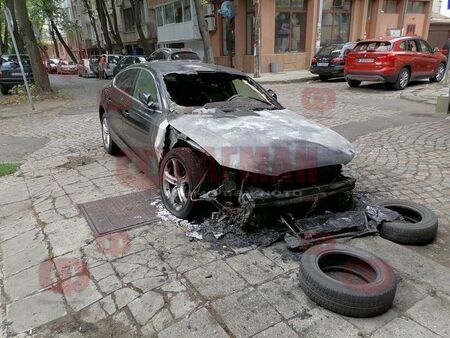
(257, 44)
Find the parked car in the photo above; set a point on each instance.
(330, 60)
(52, 66)
(394, 60)
(10, 73)
(84, 68)
(66, 67)
(173, 54)
(111, 62)
(211, 133)
(128, 61)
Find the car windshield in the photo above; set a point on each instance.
(214, 90)
(328, 50)
(13, 59)
(185, 56)
(373, 46)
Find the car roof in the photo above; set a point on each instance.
(392, 39)
(176, 50)
(185, 66)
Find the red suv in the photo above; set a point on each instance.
(394, 60)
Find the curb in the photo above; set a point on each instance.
(275, 81)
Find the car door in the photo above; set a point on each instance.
(118, 99)
(144, 121)
(428, 59)
(414, 59)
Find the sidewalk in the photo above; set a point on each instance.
(428, 94)
(285, 77)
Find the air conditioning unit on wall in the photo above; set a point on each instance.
(211, 24)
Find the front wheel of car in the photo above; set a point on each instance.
(4, 90)
(353, 83)
(439, 74)
(179, 175)
(109, 145)
(402, 80)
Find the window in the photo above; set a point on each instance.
(227, 36)
(403, 45)
(146, 85)
(187, 10)
(335, 21)
(178, 11)
(250, 30)
(290, 26)
(128, 19)
(159, 16)
(390, 6)
(412, 46)
(185, 56)
(125, 80)
(373, 46)
(416, 7)
(169, 14)
(425, 47)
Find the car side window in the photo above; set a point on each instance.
(160, 56)
(403, 45)
(412, 46)
(425, 47)
(146, 84)
(125, 80)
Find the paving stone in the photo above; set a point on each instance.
(319, 322)
(254, 267)
(25, 259)
(22, 242)
(105, 278)
(408, 293)
(369, 325)
(68, 235)
(162, 320)
(181, 304)
(26, 282)
(174, 286)
(13, 208)
(246, 312)
(273, 253)
(286, 296)
(199, 324)
(108, 305)
(433, 313)
(13, 190)
(92, 314)
(124, 296)
(146, 306)
(278, 330)
(17, 224)
(80, 292)
(34, 311)
(403, 328)
(215, 280)
(187, 257)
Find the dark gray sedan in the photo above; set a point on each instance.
(10, 73)
(210, 133)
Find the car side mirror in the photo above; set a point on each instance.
(147, 100)
(273, 94)
(435, 50)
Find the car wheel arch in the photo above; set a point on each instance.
(101, 112)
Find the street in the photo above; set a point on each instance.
(59, 280)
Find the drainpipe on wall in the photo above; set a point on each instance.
(402, 18)
(319, 25)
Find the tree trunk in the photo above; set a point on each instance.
(136, 5)
(39, 73)
(103, 24)
(17, 36)
(3, 38)
(209, 55)
(61, 39)
(88, 7)
(116, 26)
(55, 43)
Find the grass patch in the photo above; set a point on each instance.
(18, 95)
(8, 168)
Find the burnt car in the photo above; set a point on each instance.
(210, 133)
(329, 61)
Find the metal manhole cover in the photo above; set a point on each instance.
(121, 213)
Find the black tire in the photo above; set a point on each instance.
(439, 74)
(353, 83)
(324, 78)
(373, 296)
(110, 147)
(4, 90)
(420, 228)
(402, 82)
(191, 162)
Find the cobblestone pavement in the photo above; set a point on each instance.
(58, 280)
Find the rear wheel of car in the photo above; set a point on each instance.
(402, 80)
(418, 226)
(109, 145)
(4, 90)
(179, 175)
(347, 280)
(323, 78)
(439, 74)
(353, 83)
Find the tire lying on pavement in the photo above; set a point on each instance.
(347, 280)
(419, 224)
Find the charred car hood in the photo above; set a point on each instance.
(268, 142)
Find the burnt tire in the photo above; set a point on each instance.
(353, 83)
(371, 296)
(187, 180)
(419, 228)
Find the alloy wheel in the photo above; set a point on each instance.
(175, 184)
(440, 72)
(404, 76)
(105, 133)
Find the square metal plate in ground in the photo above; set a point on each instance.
(120, 213)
